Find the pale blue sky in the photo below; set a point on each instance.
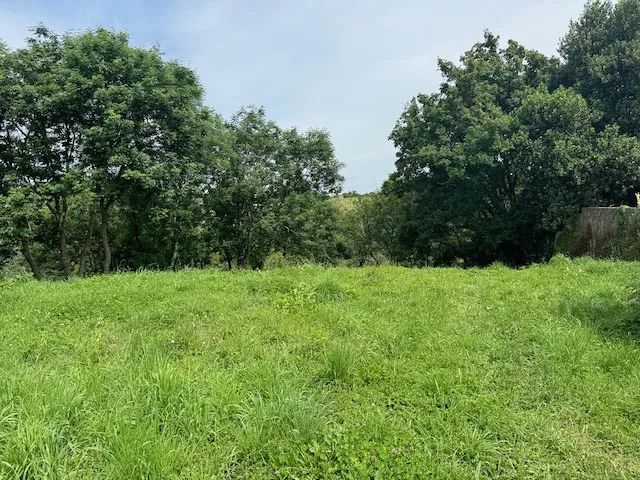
(348, 66)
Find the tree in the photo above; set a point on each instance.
(33, 161)
(165, 223)
(245, 179)
(139, 108)
(7, 247)
(21, 222)
(255, 179)
(369, 227)
(495, 163)
(46, 113)
(307, 228)
(601, 54)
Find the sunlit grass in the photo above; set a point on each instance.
(314, 373)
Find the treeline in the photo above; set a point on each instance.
(109, 160)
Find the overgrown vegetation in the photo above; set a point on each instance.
(323, 373)
(603, 233)
(110, 161)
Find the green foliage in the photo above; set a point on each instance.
(308, 227)
(275, 260)
(627, 241)
(369, 228)
(502, 158)
(109, 160)
(613, 234)
(134, 172)
(341, 362)
(387, 372)
(601, 58)
(269, 193)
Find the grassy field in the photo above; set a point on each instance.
(313, 373)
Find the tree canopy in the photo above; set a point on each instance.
(109, 159)
(503, 156)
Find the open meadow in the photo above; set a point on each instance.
(324, 373)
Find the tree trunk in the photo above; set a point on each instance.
(82, 265)
(62, 231)
(176, 252)
(59, 211)
(176, 228)
(26, 251)
(104, 232)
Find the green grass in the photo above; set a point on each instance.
(314, 373)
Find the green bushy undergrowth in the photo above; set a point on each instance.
(308, 372)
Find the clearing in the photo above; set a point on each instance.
(324, 373)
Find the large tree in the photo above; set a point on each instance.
(92, 117)
(35, 144)
(46, 116)
(496, 162)
(101, 140)
(141, 116)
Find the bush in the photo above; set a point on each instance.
(275, 260)
(279, 260)
(15, 270)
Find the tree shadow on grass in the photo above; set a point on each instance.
(613, 318)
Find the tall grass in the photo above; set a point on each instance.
(306, 372)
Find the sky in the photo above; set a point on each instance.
(349, 66)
